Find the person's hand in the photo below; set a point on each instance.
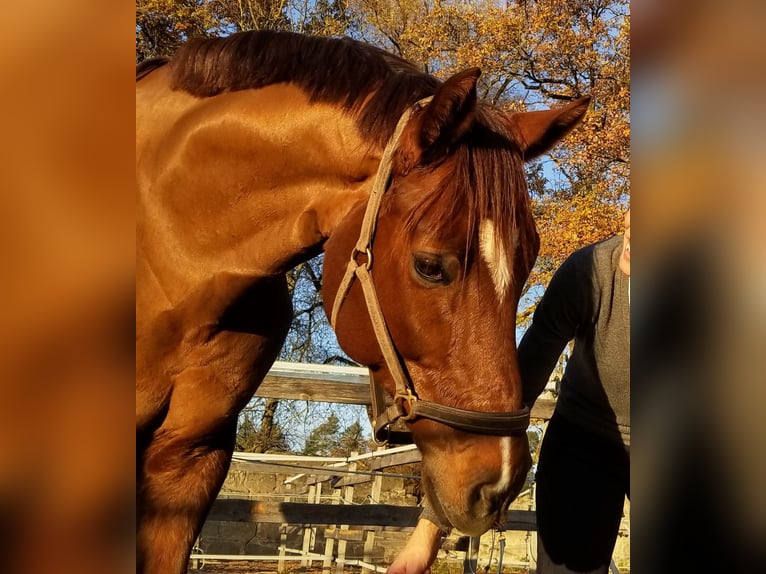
(420, 551)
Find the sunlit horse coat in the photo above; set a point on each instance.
(256, 152)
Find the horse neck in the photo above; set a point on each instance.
(250, 182)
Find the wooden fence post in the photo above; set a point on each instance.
(348, 498)
(329, 544)
(195, 561)
(310, 532)
(282, 544)
(306, 529)
(369, 543)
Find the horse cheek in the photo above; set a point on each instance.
(353, 328)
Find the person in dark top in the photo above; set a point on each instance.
(583, 474)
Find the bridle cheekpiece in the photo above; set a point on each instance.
(406, 406)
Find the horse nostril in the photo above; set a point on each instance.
(476, 495)
(490, 497)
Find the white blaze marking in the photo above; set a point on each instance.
(495, 256)
(504, 482)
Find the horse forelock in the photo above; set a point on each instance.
(363, 80)
(484, 183)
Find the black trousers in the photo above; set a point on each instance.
(582, 480)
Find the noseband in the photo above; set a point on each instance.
(406, 405)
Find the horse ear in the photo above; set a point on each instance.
(539, 131)
(443, 122)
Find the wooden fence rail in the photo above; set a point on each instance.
(374, 516)
(334, 384)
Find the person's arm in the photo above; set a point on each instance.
(560, 312)
(422, 546)
(420, 551)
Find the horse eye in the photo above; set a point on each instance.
(429, 268)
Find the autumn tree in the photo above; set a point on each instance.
(240, 15)
(330, 439)
(265, 435)
(323, 438)
(163, 25)
(352, 439)
(310, 339)
(535, 54)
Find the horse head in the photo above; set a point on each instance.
(454, 241)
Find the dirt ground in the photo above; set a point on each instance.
(253, 567)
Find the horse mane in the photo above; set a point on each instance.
(373, 85)
(148, 66)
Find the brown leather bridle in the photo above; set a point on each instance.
(406, 405)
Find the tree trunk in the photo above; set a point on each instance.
(267, 426)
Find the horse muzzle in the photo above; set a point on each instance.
(471, 488)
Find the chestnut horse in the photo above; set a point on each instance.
(256, 152)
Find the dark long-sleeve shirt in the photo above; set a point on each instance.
(587, 300)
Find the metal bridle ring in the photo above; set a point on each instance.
(367, 252)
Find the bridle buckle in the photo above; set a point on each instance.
(408, 397)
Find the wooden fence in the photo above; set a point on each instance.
(342, 522)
